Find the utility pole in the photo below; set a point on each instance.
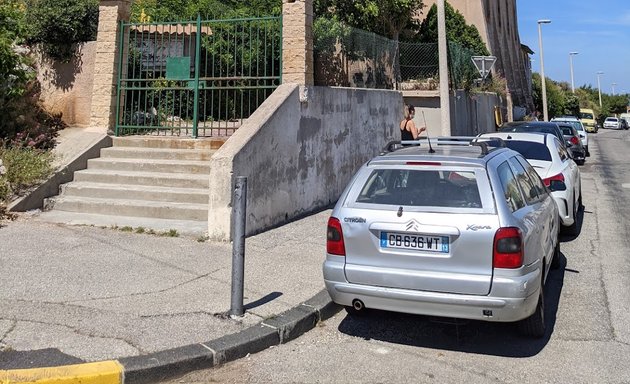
(445, 101)
(599, 87)
(571, 54)
(542, 69)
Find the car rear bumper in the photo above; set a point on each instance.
(565, 208)
(510, 299)
(578, 155)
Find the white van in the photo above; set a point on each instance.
(626, 117)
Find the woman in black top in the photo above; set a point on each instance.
(408, 130)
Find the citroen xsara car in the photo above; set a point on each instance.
(464, 228)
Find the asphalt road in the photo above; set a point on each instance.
(587, 310)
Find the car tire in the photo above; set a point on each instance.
(534, 325)
(580, 162)
(573, 228)
(555, 262)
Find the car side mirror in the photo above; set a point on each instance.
(557, 185)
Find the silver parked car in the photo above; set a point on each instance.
(465, 229)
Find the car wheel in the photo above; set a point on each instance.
(555, 262)
(534, 326)
(580, 162)
(573, 228)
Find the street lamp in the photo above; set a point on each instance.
(571, 54)
(599, 87)
(613, 88)
(542, 68)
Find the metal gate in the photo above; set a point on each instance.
(196, 78)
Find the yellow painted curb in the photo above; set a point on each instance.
(102, 372)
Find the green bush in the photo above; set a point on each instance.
(25, 168)
(58, 24)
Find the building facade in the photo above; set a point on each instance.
(497, 23)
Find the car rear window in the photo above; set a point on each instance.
(566, 130)
(530, 150)
(421, 188)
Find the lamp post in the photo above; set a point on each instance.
(599, 87)
(571, 54)
(542, 68)
(613, 88)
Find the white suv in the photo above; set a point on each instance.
(457, 229)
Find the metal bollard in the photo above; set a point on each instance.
(238, 246)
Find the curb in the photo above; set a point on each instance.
(177, 361)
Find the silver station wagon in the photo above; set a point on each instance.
(464, 228)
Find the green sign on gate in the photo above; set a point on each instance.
(196, 78)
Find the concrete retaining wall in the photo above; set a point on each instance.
(299, 155)
(67, 87)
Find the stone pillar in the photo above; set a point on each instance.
(297, 42)
(104, 102)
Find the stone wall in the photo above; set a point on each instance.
(299, 152)
(66, 88)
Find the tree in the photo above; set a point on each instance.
(13, 75)
(556, 100)
(391, 18)
(58, 24)
(456, 30)
(187, 10)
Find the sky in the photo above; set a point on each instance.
(598, 29)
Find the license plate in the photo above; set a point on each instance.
(428, 243)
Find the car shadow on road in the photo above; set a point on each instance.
(480, 337)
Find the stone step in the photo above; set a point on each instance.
(183, 227)
(137, 192)
(157, 153)
(133, 208)
(151, 165)
(158, 179)
(168, 142)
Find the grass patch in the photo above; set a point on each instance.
(24, 168)
(126, 229)
(170, 233)
(140, 230)
(203, 239)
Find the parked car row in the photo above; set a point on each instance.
(455, 227)
(569, 131)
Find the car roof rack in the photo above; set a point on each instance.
(483, 142)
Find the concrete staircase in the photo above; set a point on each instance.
(158, 184)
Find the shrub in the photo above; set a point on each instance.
(25, 123)
(58, 24)
(25, 168)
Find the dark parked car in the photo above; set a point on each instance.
(574, 144)
(534, 126)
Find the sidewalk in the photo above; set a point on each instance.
(72, 294)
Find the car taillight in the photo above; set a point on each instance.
(574, 140)
(508, 248)
(334, 238)
(558, 177)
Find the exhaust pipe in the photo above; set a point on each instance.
(358, 305)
